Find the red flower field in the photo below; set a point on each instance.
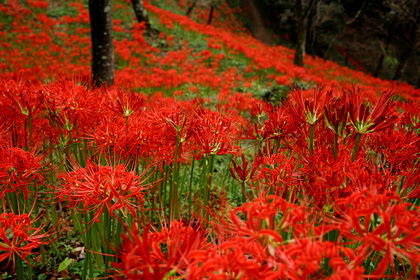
(182, 170)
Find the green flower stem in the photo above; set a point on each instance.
(107, 230)
(335, 145)
(311, 143)
(208, 182)
(30, 129)
(174, 199)
(190, 186)
(19, 267)
(88, 259)
(356, 147)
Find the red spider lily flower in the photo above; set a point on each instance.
(305, 259)
(19, 235)
(237, 258)
(98, 187)
(124, 103)
(215, 133)
(307, 111)
(399, 147)
(410, 188)
(172, 125)
(278, 123)
(143, 257)
(384, 229)
(25, 100)
(242, 174)
(363, 120)
(19, 171)
(277, 173)
(411, 114)
(336, 116)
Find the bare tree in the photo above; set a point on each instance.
(210, 18)
(141, 13)
(302, 10)
(191, 7)
(408, 32)
(100, 12)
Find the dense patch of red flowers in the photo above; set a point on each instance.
(323, 185)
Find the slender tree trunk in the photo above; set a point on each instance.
(418, 79)
(346, 59)
(311, 30)
(391, 32)
(401, 64)
(100, 12)
(191, 8)
(141, 13)
(211, 13)
(301, 35)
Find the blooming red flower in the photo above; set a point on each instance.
(362, 119)
(307, 111)
(20, 171)
(98, 188)
(383, 229)
(19, 235)
(143, 257)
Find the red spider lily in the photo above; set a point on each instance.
(143, 257)
(278, 123)
(277, 173)
(326, 178)
(305, 259)
(307, 111)
(98, 187)
(124, 103)
(20, 235)
(24, 100)
(81, 105)
(410, 187)
(242, 174)
(411, 114)
(173, 126)
(398, 147)
(336, 116)
(383, 228)
(237, 258)
(268, 218)
(215, 133)
(19, 171)
(363, 120)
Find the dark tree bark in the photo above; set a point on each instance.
(401, 64)
(301, 15)
(141, 13)
(390, 36)
(418, 79)
(191, 8)
(211, 13)
(100, 12)
(301, 34)
(311, 29)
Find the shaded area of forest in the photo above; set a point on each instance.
(379, 37)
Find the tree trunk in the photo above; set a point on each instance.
(191, 8)
(391, 32)
(301, 34)
(100, 12)
(311, 30)
(141, 13)
(401, 64)
(418, 79)
(211, 13)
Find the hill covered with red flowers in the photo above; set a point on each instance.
(212, 156)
